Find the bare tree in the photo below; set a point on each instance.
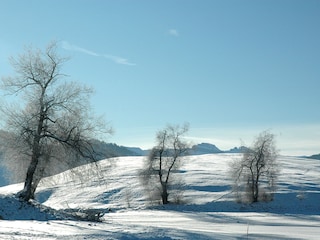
(53, 118)
(163, 159)
(256, 173)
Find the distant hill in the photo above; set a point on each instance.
(108, 150)
(198, 149)
(138, 151)
(204, 148)
(208, 148)
(316, 156)
(237, 150)
(3, 179)
(102, 151)
(114, 150)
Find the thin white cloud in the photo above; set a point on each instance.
(119, 60)
(71, 47)
(116, 59)
(174, 32)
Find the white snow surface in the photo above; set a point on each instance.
(208, 210)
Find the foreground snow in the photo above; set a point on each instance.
(170, 225)
(209, 211)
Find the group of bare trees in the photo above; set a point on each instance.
(254, 175)
(52, 125)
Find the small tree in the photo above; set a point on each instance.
(52, 120)
(163, 159)
(255, 173)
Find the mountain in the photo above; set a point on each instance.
(113, 149)
(204, 148)
(138, 151)
(316, 156)
(107, 150)
(237, 150)
(208, 148)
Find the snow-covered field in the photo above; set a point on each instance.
(208, 212)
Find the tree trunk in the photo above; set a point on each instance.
(164, 193)
(256, 190)
(255, 194)
(252, 186)
(29, 186)
(28, 191)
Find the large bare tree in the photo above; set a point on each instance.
(256, 172)
(163, 159)
(53, 118)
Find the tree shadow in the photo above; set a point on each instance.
(283, 203)
(43, 195)
(209, 188)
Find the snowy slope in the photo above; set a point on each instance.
(209, 211)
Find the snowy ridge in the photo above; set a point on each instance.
(208, 212)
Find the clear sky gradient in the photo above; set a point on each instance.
(230, 68)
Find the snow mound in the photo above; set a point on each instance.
(14, 209)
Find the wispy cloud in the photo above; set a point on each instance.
(116, 59)
(174, 32)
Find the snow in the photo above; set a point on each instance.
(209, 210)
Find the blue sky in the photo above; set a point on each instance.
(230, 68)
